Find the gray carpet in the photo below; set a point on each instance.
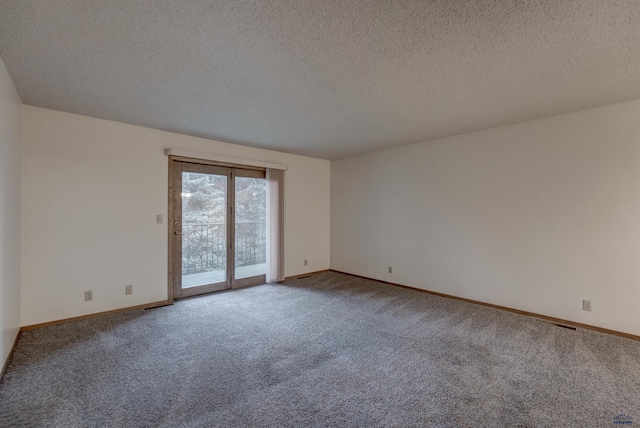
(327, 350)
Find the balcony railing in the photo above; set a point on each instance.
(204, 246)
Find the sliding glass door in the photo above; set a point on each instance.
(218, 228)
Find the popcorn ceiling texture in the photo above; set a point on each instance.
(324, 78)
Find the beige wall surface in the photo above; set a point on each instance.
(91, 192)
(10, 110)
(535, 216)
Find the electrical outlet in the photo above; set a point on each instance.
(586, 305)
(159, 218)
(390, 269)
(88, 295)
(128, 289)
(305, 262)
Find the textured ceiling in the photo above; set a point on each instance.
(323, 78)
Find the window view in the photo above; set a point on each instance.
(250, 227)
(204, 226)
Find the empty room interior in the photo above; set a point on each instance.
(320, 213)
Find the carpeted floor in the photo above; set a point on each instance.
(327, 350)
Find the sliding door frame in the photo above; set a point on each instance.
(174, 222)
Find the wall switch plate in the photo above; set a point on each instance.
(88, 295)
(390, 269)
(586, 305)
(128, 289)
(159, 218)
(305, 262)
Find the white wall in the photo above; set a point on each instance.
(536, 216)
(91, 192)
(10, 109)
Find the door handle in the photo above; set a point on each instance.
(175, 232)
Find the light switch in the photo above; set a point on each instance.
(159, 218)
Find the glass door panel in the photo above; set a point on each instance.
(250, 225)
(200, 234)
(204, 229)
